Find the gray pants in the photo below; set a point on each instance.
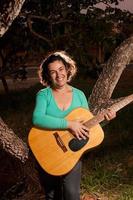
(66, 187)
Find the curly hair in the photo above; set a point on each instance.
(68, 62)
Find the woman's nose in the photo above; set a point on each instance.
(57, 74)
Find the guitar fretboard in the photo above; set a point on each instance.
(115, 107)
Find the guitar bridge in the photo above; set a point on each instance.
(60, 142)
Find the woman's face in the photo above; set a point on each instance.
(58, 74)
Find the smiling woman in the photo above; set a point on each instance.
(53, 104)
(64, 59)
(58, 74)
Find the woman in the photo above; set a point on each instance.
(53, 103)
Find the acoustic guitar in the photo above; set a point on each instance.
(58, 151)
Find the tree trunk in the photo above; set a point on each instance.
(9, 10)
(18, 177)
(10, 143)
(110, 75)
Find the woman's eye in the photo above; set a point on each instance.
(61, 69)
(52, 72)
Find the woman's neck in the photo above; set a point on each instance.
(62, 89)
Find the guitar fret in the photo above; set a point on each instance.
(122, 103)
(95, 120)
(116, 107)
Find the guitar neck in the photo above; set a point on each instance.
(115, 107)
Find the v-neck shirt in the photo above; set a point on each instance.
(56, 104)
(47, 113)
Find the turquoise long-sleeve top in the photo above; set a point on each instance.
(47, 114)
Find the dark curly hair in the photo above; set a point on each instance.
(62, 56)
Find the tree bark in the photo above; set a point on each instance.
(9, 10)
(104, 87)
(10, 143)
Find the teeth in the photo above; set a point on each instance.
(60, 79)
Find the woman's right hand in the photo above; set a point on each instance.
(78, 129)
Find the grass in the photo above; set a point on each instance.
(106, 173)
(108, 170)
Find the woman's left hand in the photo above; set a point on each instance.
(110, 115)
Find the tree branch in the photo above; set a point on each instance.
(11, 143)
(10, 12)
(108, 79)
(51, 24)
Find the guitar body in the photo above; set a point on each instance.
(55, 149)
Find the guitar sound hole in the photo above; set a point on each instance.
(76, 144)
